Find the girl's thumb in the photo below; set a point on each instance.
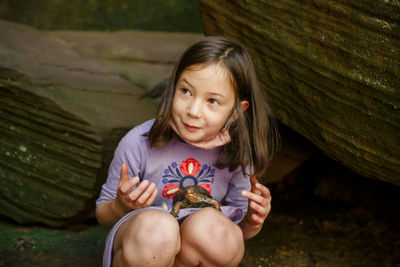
(124, 175)
(253, 180)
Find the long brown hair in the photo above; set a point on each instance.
(254, 134)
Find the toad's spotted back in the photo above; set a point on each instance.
(193, 196)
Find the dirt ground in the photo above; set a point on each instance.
(303, 229)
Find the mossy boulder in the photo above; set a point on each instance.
(144, 58)
(61, 117)
(330, 71)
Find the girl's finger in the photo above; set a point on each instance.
(127, 186)
(151, 199)
(255, 190)
(253, 180)
(138, 190)
(124, 175)
(252, 196)
(146, 194)
(261, 210)
(256, 219)
(264, 190)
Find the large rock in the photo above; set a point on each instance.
(61, 116)
(330, 70)
(146, 59)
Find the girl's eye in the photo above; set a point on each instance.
(185, 91)
(213, 101)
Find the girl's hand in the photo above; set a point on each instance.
(259, 202)
(131, 199)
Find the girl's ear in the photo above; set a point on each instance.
(244, 105)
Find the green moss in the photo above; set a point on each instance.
(156, 15)
(39, 241)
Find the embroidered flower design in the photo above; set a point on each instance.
(190, 167)
(170, 190)
(190, 172)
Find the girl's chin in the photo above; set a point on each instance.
(190, 137)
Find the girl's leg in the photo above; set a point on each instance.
(150, 238)
(208, 238)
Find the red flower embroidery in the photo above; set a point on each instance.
(206, 187)
(190, 167)
(170, 190)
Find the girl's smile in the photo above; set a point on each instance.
(191, 128)
(203, 100)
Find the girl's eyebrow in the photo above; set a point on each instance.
(185, 81)
(216, 94)
(211, 93)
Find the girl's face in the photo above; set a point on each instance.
(203, 100)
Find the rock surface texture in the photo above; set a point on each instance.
(330, 70)
(145, 59)
(61, 117)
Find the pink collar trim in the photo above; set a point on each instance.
(219, 140)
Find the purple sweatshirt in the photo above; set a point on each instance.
(173, 166)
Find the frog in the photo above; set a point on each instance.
(193, 196)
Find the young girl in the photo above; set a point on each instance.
(212, 129)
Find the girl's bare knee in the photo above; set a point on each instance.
(151, 236)
(156, 227)
(215, 236)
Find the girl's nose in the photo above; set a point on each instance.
(194, 109)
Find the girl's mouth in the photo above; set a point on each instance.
(191, 128)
